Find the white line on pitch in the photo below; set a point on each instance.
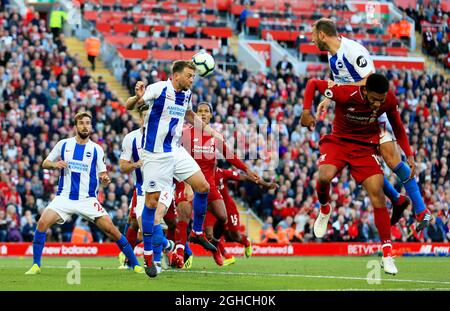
(260, 274)
(310, 276)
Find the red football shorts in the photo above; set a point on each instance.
(171, 212)
(362, 159)
(179, 193)
(214, 194)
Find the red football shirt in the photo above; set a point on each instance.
(222, 177)
(202, 148)
(354, 119)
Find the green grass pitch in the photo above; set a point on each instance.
(257, 273)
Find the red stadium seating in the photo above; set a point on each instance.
(156, 54)
(123, 41)
(310, 49)
(125, 28)
(218, 32)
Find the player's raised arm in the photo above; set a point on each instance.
(50, 162)
(136, 100)
(233, 159)
(307, 118)
(400, 133)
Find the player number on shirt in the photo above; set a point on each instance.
(98, 207)
(234, 219)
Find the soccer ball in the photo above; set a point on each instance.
(204, 62)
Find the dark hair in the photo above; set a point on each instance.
(327, 26)
(81, 115)
(204, 103)
(377, 83)
(179, 65)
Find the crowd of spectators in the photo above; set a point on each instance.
(434, 25)
(42, 87)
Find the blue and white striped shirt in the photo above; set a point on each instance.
(80, 180)
(164, 120)
(351, 63)
(131, 148)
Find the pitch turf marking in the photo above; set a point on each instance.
(309, 276)
(261, 275)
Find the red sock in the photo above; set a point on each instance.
(132, 236)
(181, 232)
(222, 250)
(387, 250)
(180, 250)
(325, 209)
(383, 224)
(323, 193)
(244, 240)
(148, 259)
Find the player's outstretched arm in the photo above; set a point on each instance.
(260, 181)
(307, 118)
(50, 165)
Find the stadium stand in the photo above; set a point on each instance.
(42, 86)
(432, 21)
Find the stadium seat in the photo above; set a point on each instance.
(218, 32)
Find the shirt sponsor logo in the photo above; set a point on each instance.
(176, 111)
(361, 61)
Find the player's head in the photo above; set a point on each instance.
(323, 31)
(83, 124)
(205, 111)
(183, 72)
(375, 90)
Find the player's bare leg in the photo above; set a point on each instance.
(201, 189)
(49, 217)
(105, 224)
(326, 173)
(391, 156)
(374, 188)
(184, 212)
(218, 209)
